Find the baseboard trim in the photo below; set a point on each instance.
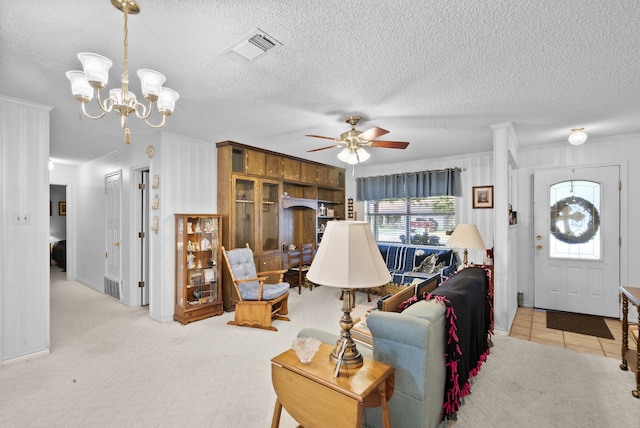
(30, 356)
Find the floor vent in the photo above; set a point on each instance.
(112, 288)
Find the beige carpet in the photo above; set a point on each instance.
(112, 366)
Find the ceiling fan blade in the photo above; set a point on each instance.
(323, 148)
(389, 144)
(320, 136)
(372, 133)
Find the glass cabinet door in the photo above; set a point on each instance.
(270, 221)
(243, 229)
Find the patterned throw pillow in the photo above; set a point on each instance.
(427, 264)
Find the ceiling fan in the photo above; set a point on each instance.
(353, 142)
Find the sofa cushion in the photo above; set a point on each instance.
(403, 259)
(427, 265)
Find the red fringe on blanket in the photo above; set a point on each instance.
(456, 391)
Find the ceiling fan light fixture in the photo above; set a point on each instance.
(353, 156)
(362, 154)
(577, 136)
(346, 156)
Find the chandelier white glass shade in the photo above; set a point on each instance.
(87, 84)
(577, 136)
(353, 155)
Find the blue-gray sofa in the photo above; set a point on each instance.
(408, 262)
(417, 343)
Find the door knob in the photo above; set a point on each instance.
(538, 238)
(538, 247)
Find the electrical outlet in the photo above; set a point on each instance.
(21, 218)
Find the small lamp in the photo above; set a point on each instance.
(577, 136)
(466, 236)
(348, 258)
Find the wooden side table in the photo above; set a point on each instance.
(630, 357)
(315, 398)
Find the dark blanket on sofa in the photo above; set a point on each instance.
(468, 298)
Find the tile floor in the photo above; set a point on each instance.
(531, 324)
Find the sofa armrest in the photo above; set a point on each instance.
(414, 343)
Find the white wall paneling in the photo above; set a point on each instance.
(24, 264)
(187, 171)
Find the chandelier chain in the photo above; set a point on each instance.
(125, 71)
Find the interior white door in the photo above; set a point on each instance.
(577, 240)
(144, 238)
(113, 215)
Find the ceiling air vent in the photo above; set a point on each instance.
(251, 47)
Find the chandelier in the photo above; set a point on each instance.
(88, 83)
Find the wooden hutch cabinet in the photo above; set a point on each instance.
(269, 201)
(198, 289)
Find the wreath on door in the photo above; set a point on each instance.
(574, 220)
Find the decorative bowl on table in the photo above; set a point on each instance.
(306, 348)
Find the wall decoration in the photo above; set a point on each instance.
(62, 208)
(482, 196)
(574, 220)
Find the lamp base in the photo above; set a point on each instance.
(345, 353)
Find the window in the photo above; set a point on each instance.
(420, 221)
(575, 220)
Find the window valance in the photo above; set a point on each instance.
(422, 184)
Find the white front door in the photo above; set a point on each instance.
(577, 240)
(113, 216)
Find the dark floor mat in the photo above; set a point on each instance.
(578, 323)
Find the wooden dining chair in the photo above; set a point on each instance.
(299, 263)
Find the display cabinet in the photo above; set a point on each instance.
(198, 290)
(269, 201)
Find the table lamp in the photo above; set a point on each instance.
(466, 236)
(348, 257)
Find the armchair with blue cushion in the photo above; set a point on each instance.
(258, 302)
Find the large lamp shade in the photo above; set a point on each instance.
(348, 257)
(466, 236)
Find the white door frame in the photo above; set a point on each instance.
(612, 256)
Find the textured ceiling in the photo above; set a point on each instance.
(436, 73)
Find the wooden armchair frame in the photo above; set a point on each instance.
(258, 313)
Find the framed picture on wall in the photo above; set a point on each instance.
(482, 196)
(62, 208)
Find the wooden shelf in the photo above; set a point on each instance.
(299, 202)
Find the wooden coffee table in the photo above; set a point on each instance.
(315, 398)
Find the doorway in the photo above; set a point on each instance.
(58, 225)
(141, 265)
(577, 240)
